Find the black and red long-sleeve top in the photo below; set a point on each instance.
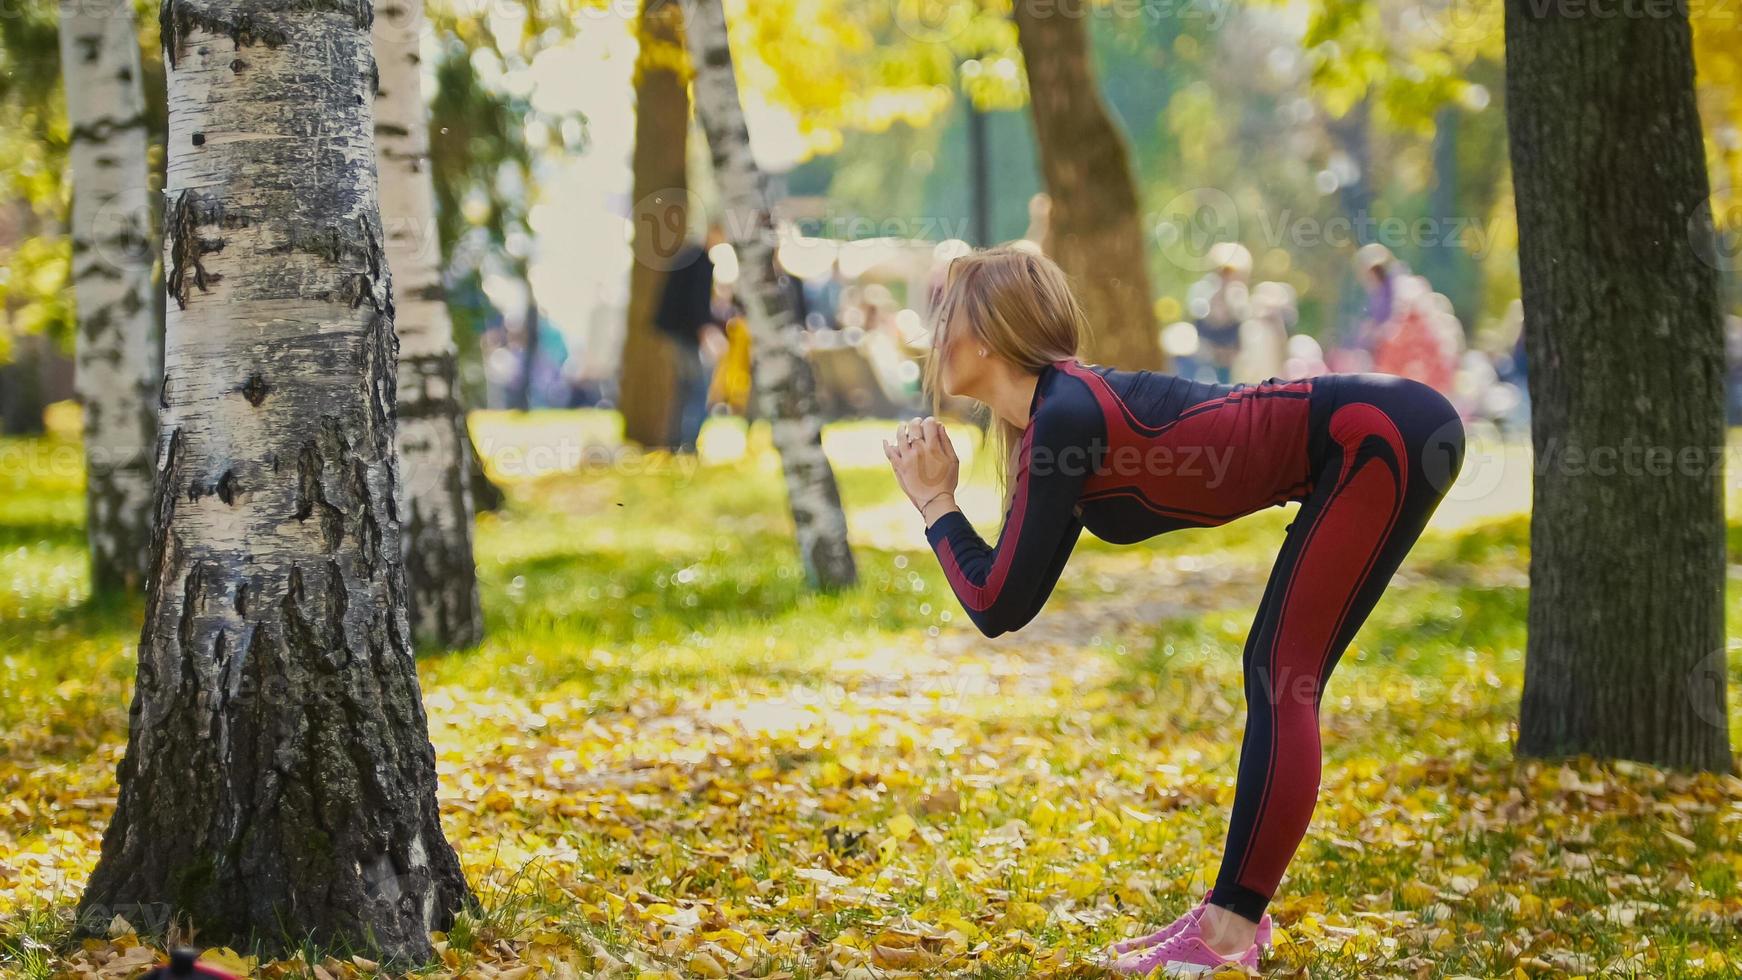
(1127, 455)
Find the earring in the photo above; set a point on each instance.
(982, 352)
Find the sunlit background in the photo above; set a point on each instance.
(673, 754)
(1276, 137)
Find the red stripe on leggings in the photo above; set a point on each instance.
(1371, 486)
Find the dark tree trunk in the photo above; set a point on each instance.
(1097, 228)
(979, 173)
(1626, 650)
(486, 496)
(661, 217)
(523, 391)
(1352, 135)
(279, 785)
(21, 394)
(1445, 261)
(21, 399)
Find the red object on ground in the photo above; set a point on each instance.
(185, 963)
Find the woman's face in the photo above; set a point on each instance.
(963, 369)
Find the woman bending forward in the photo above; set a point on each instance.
(1132, 454)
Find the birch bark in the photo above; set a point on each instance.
(433, 444)
(279, 784)
(112, 258)
(785, 387)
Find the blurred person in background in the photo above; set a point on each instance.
(1407, 330)
(1422, 339)
(729, 354)
(1263, 346)
(1039, 223)
(1375, 270)
(694, 316)
(1506, 403)
(548, 387)
(729, 386)
(1179, 341)
(1218, 304)
(1306, 358)
(823, 297)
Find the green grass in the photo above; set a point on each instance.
(669, 746)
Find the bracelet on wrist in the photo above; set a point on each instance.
(933, 499)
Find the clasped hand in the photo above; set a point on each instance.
(925, 465)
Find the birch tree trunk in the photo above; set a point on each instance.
(112, 259)
(1626, 652)
(660, 219)
(433, 443)
(785, 387)
(279, 782)
(1097, 229)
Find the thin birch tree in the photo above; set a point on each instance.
(434, 447)
(117, 349)
(785, 387)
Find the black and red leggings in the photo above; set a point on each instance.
(1132, 454)
(1383, 451)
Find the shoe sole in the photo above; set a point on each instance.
(1178, 969)
(1263, 942)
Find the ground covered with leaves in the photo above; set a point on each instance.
(669, 758)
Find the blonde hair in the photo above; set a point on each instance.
(1017, 304)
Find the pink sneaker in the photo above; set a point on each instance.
(1184, 954)
(1167, 932)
